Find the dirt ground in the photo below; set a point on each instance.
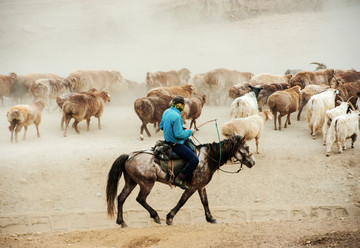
(316, 233)
(69, 174)
(58, 175)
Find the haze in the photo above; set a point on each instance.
(139, 36)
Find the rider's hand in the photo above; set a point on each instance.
(193, 131)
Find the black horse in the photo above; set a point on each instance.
(141, 168)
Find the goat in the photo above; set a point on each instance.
(343, 127)
(24, 115)
(51, 88)
(238, 90)
(317, 107)
(344, 77)
(245, 105)
(186, 90)
(249, 127)
(320, 66)
(265, 78)
(65, 96)
(305, 78)
(217, 82)
(285, 102)
(102, 80)
(83, 107)
(348, 91)
(307, 92)
(167, 79)
(193, 108)
(267, 90)
(331, 114)
(150, 110)
(6, 82)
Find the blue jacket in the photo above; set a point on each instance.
(172, 124)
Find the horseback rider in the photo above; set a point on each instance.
(175, 135)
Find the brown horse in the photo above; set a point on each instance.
(140, 168)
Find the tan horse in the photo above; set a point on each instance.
(140, 168)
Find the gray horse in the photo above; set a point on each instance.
(141, 168)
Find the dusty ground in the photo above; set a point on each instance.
(61, 175)
(325, 233)
(65, 175)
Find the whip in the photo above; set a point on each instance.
(206, 123)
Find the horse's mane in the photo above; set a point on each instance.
(228, 149)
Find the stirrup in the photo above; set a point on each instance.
(180, 183)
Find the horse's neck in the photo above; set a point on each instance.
(212, 158)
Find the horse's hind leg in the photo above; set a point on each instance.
(128, 188)
(185, 196)
(205, 203)
(145, 189)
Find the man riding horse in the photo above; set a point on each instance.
(175, 135)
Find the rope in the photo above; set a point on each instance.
(171, 173)
(217, 129)
(225, 170)
(219, 162)
(232, 172)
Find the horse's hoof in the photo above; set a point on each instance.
(157, 220)
(122, 224)
(212, 221)
(169, 222)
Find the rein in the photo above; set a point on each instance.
(219, 161)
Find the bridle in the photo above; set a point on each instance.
(219, 161)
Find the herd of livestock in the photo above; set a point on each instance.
(331, 98)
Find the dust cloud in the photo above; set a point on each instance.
(139, 36)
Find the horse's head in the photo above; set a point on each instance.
(243, 153)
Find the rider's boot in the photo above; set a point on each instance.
(180, 181)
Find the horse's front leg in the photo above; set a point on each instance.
(185, 196)
(145, 189)
(205, 203)
(128, 188)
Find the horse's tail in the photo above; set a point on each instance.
(113, 181)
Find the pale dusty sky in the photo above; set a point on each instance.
(135, 37)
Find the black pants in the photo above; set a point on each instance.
(189, 156)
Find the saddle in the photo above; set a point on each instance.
(169, 161)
